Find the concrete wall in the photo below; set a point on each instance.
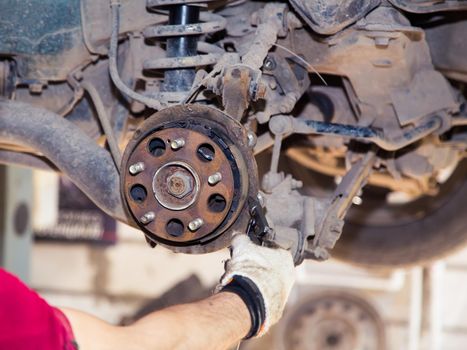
(111, 282)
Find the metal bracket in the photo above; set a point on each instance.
(258, 228)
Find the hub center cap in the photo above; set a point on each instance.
(176, 185)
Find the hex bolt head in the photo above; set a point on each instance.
(357, 200)
(195, 224)
(147, 218)
(177, 144)
(179, 184)
(136, 168)
(214, 179)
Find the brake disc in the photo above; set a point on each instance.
(186, 177)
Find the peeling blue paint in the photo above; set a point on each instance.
(44, 27)
(43, 36)
(341, 129)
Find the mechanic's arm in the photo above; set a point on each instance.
(214, 323)
(253, 293)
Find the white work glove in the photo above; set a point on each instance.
(271, 270)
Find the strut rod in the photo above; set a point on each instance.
(181, 79)
(284, 125)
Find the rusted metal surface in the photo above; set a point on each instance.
(235, 92)
(186, 25)
(271, 21)
(176, 181)
(321, 222)
(423, 88)
(210, 23)
(330, 17)
(388, 42)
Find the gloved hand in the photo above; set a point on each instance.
(262, 277)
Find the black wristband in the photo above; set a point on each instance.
(251, 296)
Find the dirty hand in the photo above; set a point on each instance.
(262, 277)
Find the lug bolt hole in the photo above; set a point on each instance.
(156, 147)
(217, 203)
(175, 228)
(205, 152)
(138, 193)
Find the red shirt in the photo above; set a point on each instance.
(27, 322)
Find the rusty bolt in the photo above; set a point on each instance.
(251, 139)
(261, 91)
(147, 218)
(36, 88)
(214, 178)
(179, 184)
(195, 224)
(270, 64)
(381, 41)
(136, 168)
(177, 144)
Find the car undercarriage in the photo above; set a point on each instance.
(318, 126)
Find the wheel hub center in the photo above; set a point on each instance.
(176, 185)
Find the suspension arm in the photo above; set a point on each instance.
(286, 125)
(89, 166)
(329, 228)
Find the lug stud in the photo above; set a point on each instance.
(136, 168)
(177, 144)
(195, 224)
(147, 218)
(214, 179)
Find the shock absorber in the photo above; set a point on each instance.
(185, 25)
(182, 46)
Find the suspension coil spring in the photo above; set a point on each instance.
(186, 23)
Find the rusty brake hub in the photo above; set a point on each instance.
(186, 176)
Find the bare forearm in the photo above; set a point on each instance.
(214, 323)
